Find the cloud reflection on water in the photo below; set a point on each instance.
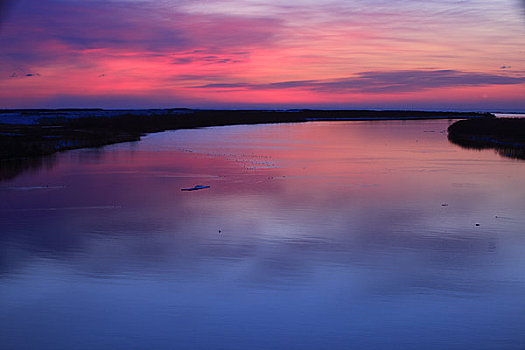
(338, 236)
(325, 204)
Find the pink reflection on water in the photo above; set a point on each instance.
(342, 222)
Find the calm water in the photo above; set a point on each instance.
(320, 235)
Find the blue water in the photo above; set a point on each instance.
(364, 235)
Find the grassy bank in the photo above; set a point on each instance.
(505, 135)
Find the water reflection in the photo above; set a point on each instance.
(9, 169)
(516, 151)
(311, 236)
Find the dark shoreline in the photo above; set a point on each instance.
(65, 129)
(505, 135)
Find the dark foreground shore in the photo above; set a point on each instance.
(505, 135)
(49, 131)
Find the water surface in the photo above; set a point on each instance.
(322, 235)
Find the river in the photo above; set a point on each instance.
(319, 235)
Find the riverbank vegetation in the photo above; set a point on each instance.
(505, 135)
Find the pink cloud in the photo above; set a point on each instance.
(293, 53)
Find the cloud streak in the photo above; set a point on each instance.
(80, 35)
(384, 82)
(187, 50)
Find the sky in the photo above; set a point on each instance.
(381, 54)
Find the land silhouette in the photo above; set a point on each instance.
(505, 135)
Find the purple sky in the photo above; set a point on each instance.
(263, 54)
